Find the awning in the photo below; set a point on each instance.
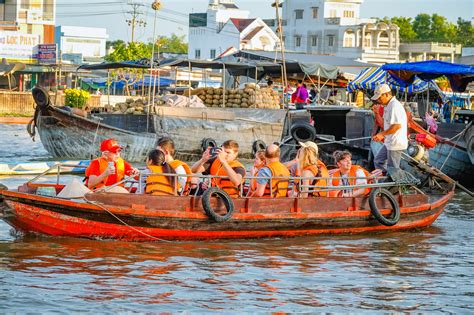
(143, 63)
(405, 73)
(369, 78)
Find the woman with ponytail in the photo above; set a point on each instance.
(158, 184)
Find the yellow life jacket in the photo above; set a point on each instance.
(177, 163)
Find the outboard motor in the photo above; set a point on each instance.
(418, 149)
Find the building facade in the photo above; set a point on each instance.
(31, 17)
(223, 27)
(86, 42)
(429, 51)
(334, 27)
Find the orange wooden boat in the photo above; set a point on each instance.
(135, 217)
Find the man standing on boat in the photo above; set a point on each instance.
(395, 130)
(110, 168)
(222, 162)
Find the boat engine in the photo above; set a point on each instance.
(418, 148)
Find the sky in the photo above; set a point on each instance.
(173, 18)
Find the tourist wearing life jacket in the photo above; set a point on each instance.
(223, 163)
(346, 176)
(157, 184)
(273, 178)
(258, 163)
(308, 167)
(166, 145)
(110, 168)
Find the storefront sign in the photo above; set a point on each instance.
(17, 46)
(46, 53)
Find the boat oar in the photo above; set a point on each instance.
(436, 172)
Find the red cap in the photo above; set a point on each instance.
(110, 145)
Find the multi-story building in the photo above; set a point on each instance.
(224, 26)
(32, 17)
(334, 27)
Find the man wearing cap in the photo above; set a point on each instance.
(395, 129)
(110, 168)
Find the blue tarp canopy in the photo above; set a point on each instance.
(369, 78)
(405, 73)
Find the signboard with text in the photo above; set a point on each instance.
(46, 53)
(17, 46)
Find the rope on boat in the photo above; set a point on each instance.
(455, 144)
(123, 222)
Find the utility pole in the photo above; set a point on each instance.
(276, 4)
(135, 20)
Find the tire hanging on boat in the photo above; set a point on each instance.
(41, 97)
(258, 145)
(394, 216)
(226, 199)
(303, 131)
(208, 142)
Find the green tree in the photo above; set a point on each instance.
(126, 52)
(130, 51)
(464, 32)
(422, 27)
(113, 43)
(406, 28)
(441, 29)
(173, 44)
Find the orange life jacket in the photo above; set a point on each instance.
(217, 169)
(318, 170)
(177, 163)
(158, 185)
(103, 165)
(279, 186)
(336, 180)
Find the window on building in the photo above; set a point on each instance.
(348, 14)
(213, 54)
(331, 40)
(299, 14)
(315, 12)
(314, 40)
(298, 41)
(197, 54)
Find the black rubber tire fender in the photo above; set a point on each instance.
(208, 142)
(41, 97)
(303, 131)
(258, 145)
(395, 215)
(206, 204)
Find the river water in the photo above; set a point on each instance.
(430, 270)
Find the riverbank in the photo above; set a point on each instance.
(13, 120)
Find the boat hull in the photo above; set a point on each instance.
(182, 218)
(65, 135)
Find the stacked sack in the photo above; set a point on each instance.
(252, 96)
(131, 106)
